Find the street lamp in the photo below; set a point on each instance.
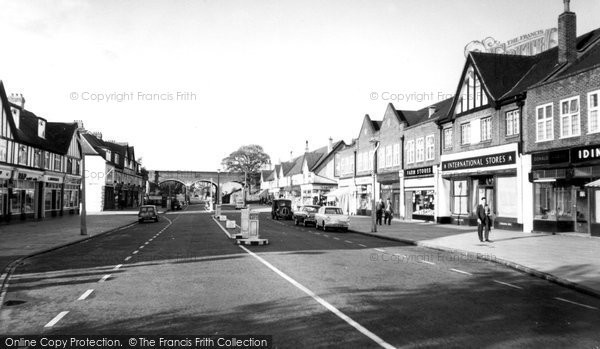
(218, 186)
(373, 203)
(83, 213)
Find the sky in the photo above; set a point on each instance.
(188, 82)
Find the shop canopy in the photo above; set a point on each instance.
(338, 193)
(594, 184)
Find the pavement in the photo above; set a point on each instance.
(572, 260)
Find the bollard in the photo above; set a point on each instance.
(252, 238)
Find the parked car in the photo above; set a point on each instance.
(281, 209)
(306, 215)
(176, 205)
(148, 212)
(331, 217)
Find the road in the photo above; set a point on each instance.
(308, 288)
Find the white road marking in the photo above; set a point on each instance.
(223, 229)
(362, 245)
(127, 258)
(509, 285)
(118, 266)
(325, 235)
(460, 271)
(146, 243)
(104, 278)
(427, 262)
(379, 250)
(323, 302)
(317, 233)
(142, 247)
(56, 319)
(336, 238)
(85, 295)
(581, 305)
(348, 241)
(135, 252)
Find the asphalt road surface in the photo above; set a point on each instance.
(308, 288)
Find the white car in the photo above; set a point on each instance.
(332, 217)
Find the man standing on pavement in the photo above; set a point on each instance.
(379, 211)
(389, 212)
(481, 218)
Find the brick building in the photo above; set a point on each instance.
(389, 157)
(562, 135)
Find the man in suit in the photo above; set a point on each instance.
(389, 212)
(481, 218)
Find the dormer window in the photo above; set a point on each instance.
(41, 128)
(108, 155)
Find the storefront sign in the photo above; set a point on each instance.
(550, 158)
(28, 176)
(388, 177)
(364, 180)
(5, 174)
(53, 179)
(587, 153)
(421, 171)
(507, 158)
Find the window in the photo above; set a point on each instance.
(593, 111)
(117, 159)
(460, 197)
(336, 165)
(486, 129)
(108, 155)
(420, 144)
(37, 158)
(388, 156)
(448, 138)
(69, 165)
(22, 155)
(410, 152)
(430, 147)
(359, 163)
(47, 160)
(371, 154)
(512, 122)
(472, 94)
(381, 157)
(365, 161)
(57, 162)
(396, 151)
(569, 117)
(77, 167)
(544, 123)
(465, 133)
(3, 148)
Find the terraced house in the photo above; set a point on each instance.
(562, 136)
(40, 163)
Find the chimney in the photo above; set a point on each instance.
(567, 35)
(306, 147)
(97, 135)
(79, 125)
(432, 111)
(330, 145)
(291, 155)
(19, 101)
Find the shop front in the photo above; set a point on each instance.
(364, 195)
(52, 195)
(24, 191)
(389, 184)
(344, 196)
(594, 204)
(492, 173)
(419, 193)
(563, 201)
(5, 176)
(71, 194)
(316, 194)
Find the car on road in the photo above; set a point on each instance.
(306, 215)
(332, 217)
(176, 205)
(148, 212)
(281, 209)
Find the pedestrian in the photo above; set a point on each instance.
(389, 212)
(379, 211)
(488, 223)
(481, 218)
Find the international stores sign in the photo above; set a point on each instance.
(508, 158)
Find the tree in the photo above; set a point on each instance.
(248, 159)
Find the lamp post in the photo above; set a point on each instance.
(83, 213)
(218, 186)
(373, 204)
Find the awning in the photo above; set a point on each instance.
(594, 184)
(338, 193)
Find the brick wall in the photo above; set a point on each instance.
(418, 131)
(577, 85)
(390, 134)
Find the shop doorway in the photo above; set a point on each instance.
(487, 192)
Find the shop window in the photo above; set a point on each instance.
(410, 152)
(544, 123)
(430, 148)
(486, 129)
(448, 138)
(506, 192)
(48, 200)
(564, 204)
(569, 117)
(420, 149)
(460, 197)
(597, 206)
(465, 133)
(15, 202)
(544, 203)
(513, 118)
(593, 112)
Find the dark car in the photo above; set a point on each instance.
(281, 209)
(148, 212)
(176, 205)
(306, 215)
